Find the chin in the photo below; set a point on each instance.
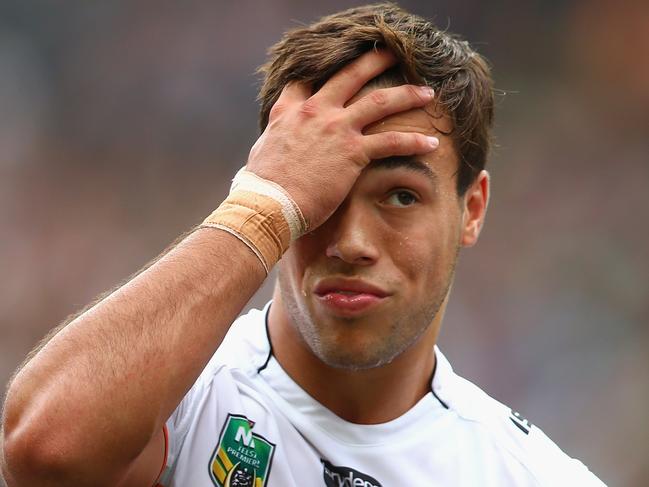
(353, 364)
(346, 358)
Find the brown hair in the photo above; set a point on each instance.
(426, 55)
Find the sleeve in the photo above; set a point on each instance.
(558, 468)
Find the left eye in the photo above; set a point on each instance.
(401, 198)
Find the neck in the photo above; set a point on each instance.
(368, 396)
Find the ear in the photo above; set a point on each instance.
(475, 202)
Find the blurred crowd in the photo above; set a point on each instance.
(121, 124)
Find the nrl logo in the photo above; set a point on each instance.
(335, 476)
(241, 458)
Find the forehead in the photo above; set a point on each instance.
(430, 121)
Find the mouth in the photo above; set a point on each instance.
(349, 297)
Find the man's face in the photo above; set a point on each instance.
(366, 284)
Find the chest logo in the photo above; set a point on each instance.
(241, 458)
(335, 476)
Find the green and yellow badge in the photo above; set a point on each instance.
(242, 458)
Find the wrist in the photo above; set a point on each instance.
(261, 214)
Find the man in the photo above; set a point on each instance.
(366, 184)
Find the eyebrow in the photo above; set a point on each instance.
(407, 162)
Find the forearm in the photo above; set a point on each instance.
(106, 382)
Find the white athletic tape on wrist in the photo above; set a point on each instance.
(249, 181)
(261, 214)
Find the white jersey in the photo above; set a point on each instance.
(245, 422)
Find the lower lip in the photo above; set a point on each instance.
(349, 304)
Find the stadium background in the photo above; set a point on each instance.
(122, 122)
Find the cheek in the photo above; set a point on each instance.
(307, 249)
(426, 254)
(298, 257)
(420, 265)
(412, 255)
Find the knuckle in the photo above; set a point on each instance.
(358, 156)
(413, 91)
(331, 126)
(392, 141)
(355, 147)
(277, 109)
(378, 97)
(310, 107)
(352, 148)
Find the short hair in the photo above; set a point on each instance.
(427, 55)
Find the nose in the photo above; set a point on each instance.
(350, 234)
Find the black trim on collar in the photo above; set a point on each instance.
(440, 401)
(270, 354)
(270, 344)
(433, 390)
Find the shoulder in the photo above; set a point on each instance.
(246, 346)
(510, 433)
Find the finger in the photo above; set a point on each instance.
(352, 77)
(388, 144)
(381, 103)
(295, 91)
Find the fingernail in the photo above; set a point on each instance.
(427, 91)
(433, 141)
